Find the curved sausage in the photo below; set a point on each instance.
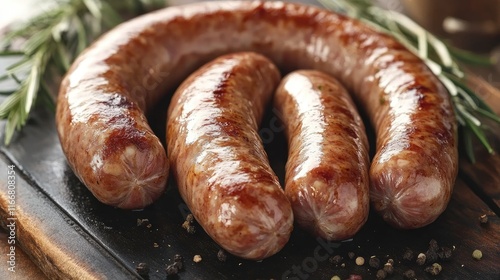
(219, 161)
(327, 168)
(136, 63)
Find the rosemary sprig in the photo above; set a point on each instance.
(53, 39)
(441, 58)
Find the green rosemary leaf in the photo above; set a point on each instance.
(478, 101)
(11, 53)
(22, 65)
(46, 99)
(4, 77)
(470, 58)
(94, 8)
(479, 133)
(450, 86)
(82, 41)
(8, 104)
(488, 114)
(468, 146)
(112, 18)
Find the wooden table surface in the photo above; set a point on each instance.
(68, 234)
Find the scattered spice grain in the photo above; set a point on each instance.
(477, 254)
(197, 258)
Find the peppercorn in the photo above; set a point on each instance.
(434, 269)
(336, 260)
(381, 274)
(221, 255)
(191, 229)
(388, 268)
(374, 262)
(172, 269)
(409, 274)
(408, 255)
(351, 255)
(483, 219)
(431, 253)
(178, 258)
(142, 269)
(445, 253)
(421, 258)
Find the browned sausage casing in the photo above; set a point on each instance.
(219, 161)
(132, 66)
(327, 167)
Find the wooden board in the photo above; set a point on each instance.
(70, 235)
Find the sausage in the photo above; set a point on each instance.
(326, 177)
(135, 64)
(218, 159)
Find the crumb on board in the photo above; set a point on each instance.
(197, 258)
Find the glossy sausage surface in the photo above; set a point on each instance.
(219, 161)
(136, 63)
(327, 167)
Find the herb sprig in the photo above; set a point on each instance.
(47, 44)
(441, 58)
